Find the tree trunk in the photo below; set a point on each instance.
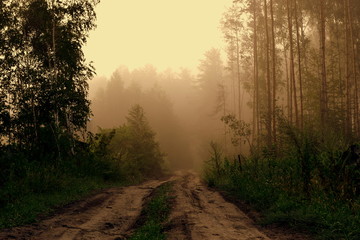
(54, 69)
(269, 113)
(348, 122)
(288, 86)
(273, 71)
(353, 56)
(256, 72)
(323, 95)
(341, 95)
(299, 67)
(292, 70)
(238, 72)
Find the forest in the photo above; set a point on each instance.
(271, 120)
(291, 103)
(47, 155)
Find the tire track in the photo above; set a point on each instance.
(108, 215)
(201, 214)
(197, 214)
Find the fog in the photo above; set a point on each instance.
(182, 108)
(141, 58)
(211, 71)
(260, 98)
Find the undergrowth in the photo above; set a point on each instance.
(275, 187)
(34, 188)
(35, 180)
(26, 209)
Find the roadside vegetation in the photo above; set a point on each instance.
(47, 155)
(29, 187)
(311, 184)
(155, 213)
(289, 104)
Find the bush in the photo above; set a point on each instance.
(132, 149)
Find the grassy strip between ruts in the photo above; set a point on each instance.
(154, 214)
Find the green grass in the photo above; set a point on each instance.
(26, 208)
(321, 215)
(154, 214)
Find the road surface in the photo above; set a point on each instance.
(198, 213)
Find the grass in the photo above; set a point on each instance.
(26, 209)
(155, 213)
(320, 215)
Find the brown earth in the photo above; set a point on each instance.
(198, 213)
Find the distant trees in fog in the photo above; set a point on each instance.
(146, 87)
(296, 60)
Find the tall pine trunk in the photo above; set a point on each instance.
(292, 65)
(268, 83)
(323, 95)
(273, 71)
(256, 73)
(353, 56)
(238, 72)
(299, 66)
(348, 122)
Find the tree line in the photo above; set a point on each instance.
(295, 59)
(161, 97)
(47, 155)
(289, 94)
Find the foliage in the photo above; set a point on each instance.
(29, 187)
(44, 75)
(46, 158)
(27, 206)
(131, 148)
(311, 185)
(43, 105)
(305, 108)
(123, 155)
(146, 87)
(239, 129)
(214, 165)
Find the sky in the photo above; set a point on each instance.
(164, 33)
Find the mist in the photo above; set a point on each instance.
(178, 108)
(159, 114)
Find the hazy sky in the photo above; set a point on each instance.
(165, 33)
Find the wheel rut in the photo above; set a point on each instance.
(108, 215)
(197, 213)
(200, 213)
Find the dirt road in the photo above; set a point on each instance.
(198, 213)
(201, 214)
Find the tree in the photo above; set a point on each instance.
(210, 76)
(273, 61)
(292, 64)
(143, 147)
(256, 118)
(299, 63)
(45, 80)
(268, 78)
(323, 92)
(232, 27)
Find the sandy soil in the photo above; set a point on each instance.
(198, 213)
(107, 215)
